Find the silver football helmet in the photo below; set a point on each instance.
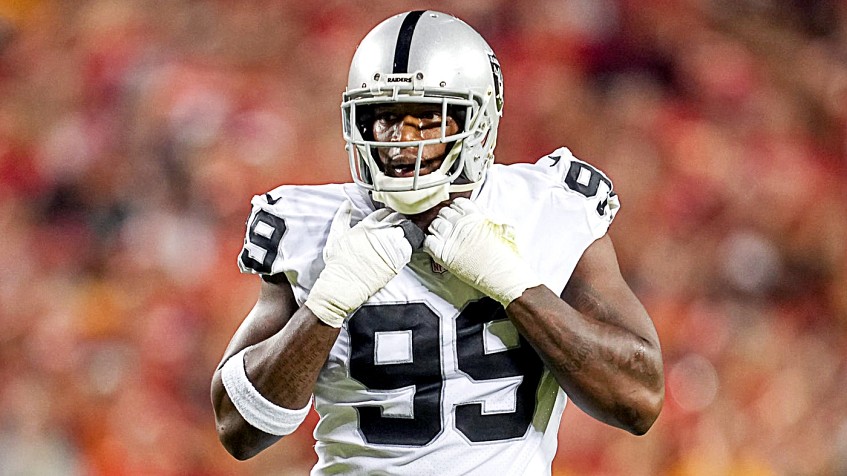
(424, 57)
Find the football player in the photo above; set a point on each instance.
(440, 310)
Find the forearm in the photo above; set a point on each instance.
(612, 373)
(283, 368)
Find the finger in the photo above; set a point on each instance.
(394, 219)
(449, 213)
(464, 206)
(412, 234)
(440, 227)
(378, 215)
(340, 222)
(394, 247)
(433, 246)
(403, 251)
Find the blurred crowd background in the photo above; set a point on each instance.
(133, 134)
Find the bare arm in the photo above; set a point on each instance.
(598, 341)
(292, 347)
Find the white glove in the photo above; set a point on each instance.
(479, 252)
(359, 262)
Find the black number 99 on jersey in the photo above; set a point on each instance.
(421, 371)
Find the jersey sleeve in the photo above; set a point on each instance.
(261, 252)
(591, 185)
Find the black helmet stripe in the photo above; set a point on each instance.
(404, 41)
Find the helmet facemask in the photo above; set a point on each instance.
(467, 108)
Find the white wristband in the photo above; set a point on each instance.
(253, 407)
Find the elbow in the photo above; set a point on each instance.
(232, 431)
(234, 443)
(238, 438)
(234, 448)
(638, 417)
(648, 400)
(650, 414)
(238, 443)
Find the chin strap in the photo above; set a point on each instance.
(410, 202)
(464, 187)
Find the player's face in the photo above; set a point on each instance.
(405, 122)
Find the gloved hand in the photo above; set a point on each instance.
(478, 251)
(359, 262)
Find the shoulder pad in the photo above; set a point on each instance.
(591, 184)
(264, 233)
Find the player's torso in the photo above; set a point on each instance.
(432, 383)
(429, 376)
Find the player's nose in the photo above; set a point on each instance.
(408, 128)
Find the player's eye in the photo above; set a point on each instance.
(430, 116)
(387, 117)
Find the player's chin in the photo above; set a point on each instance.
(407, 170)
(432, 210)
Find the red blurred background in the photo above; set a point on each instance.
(133, 134)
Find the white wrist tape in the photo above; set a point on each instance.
(480, 252)
(359, 261)
(253, 407)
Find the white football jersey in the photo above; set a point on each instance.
(429, 376)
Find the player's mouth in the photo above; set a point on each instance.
(405, 167)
